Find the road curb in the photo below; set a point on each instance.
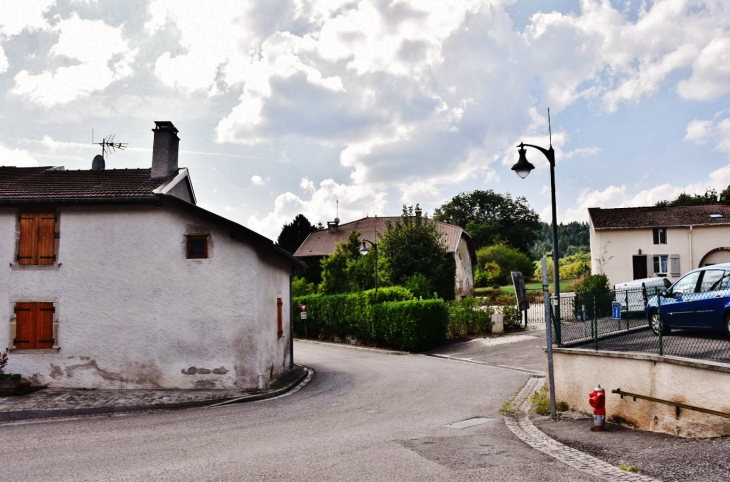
(354, 347)
(29, 415)
(525, 430)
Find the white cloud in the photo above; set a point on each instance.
(716, 129)
(18, 16)
(257, 180)
(354, 202)
(100, 56)
(16, 157)
(710, 72)
(4, 64)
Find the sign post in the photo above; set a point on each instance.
(303, 307)
(523, 303)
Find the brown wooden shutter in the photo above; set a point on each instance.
(44, 325)
(46, 232)
(28, 246)
(279, 320)
(37, 235)
(34, 325)
(24, 324)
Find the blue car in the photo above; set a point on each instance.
(700, 299)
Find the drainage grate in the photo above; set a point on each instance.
(470, 422)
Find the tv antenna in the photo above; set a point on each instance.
(108, 145)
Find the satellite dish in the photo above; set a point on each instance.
(98, 163)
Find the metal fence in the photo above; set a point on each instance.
(686, 325)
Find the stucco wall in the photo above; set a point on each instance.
(464, 284)
(691, 382)
(133, 312)
(612, 251)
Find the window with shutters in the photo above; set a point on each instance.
(279, 319)
(37, 238)
(34, 326)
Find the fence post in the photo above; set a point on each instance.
(627, 310)
(661, 322)
(595, 322)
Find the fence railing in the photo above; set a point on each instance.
(690, 325)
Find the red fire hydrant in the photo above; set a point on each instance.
(597, 399)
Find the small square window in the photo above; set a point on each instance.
(660, 235)
(197, 246)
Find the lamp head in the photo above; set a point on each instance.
(523, 166)
(364, 249)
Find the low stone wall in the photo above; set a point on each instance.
(701, 384)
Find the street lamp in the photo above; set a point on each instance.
(523, 168)
(364, 251)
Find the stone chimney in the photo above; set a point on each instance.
(164, 150)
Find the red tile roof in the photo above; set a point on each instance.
(660, 217)
(18, 183)
(322, 243)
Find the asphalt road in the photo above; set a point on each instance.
(364, 416)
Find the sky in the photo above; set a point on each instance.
(353, 108)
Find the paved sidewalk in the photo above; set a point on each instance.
(523, 428)
(65, 402)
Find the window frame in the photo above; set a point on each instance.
(656, 260)
(24, 323)
(188, 247)
(658, 234)
(39, 247)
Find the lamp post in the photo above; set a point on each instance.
(523, 168)
(363, 251)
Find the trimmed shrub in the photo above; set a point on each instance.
(395, 320)
(414, 325)
(512, 317)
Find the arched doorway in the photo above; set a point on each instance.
(715, 256)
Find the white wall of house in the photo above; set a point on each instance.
(612, 250)
(133, 312)
(464, 284)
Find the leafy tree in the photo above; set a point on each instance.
(490, 217)
(293, 234)
(709, 197)
(414, 246)
(346, 270)
(508, 259)
(573, 238)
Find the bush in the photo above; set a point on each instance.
(414, 325)
(508, 259)
(512, 317)
(395, 319)
(593, 291)
(420, 286)
(487, 276)
(467, 317)
(301, 287)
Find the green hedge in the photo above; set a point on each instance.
(394, 319)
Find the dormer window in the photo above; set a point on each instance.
(660, 235)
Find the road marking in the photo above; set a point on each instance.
(493, 365)
(470, 422)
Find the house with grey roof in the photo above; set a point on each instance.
(457, 241)
(115, 278)
(643, 242)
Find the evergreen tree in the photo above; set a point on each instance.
(293, 235)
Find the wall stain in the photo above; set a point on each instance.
(56, 372)
(220, 371)
(204, 371)
(204, 384)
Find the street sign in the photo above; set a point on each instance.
(303, 307)
(304, 315)
(520, 292)
(616, 310)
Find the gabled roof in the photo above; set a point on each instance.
(44, 184)
(322, 243)
(660, 217)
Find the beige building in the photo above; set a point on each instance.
(635, 243)
(458, 243)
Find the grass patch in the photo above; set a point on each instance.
(509, 407)
(541, 402)
(628, 467)
(535, 285)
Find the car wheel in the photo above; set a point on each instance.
(654, 323)
(726, 325)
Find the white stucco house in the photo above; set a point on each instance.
(642, 242)
(116, 279)
(458, 243)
